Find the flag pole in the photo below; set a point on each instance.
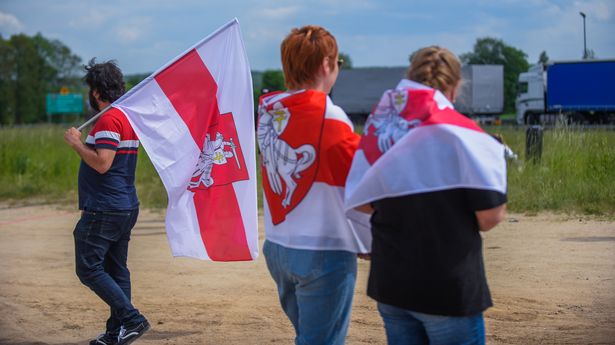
(144, 81)
(94, 118)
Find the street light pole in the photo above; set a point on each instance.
(584, 37)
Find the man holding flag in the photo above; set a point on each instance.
(195, 118)
(109, 204)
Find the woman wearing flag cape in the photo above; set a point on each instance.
(306, 145)
(433, 180)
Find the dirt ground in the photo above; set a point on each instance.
(552, 279)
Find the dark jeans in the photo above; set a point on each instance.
(101, 251)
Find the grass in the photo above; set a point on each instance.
(35, 162)
(576, 173)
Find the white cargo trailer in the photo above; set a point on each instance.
(482, 90)
(358, 90)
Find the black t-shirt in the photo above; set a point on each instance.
(427, 252)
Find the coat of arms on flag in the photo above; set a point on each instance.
(221, 159)
(195, 119)
(288, 150)
(306, 146)
(389, 122)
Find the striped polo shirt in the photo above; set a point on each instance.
(114, 190)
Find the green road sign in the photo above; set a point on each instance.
(64, 104)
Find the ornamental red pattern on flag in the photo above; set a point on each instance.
(306, 145)
(414, 142)
(194, 119)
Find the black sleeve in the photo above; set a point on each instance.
(482, 199)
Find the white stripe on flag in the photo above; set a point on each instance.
(428, 159)
(234, 95)
(319, 227)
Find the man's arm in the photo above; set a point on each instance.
(99, 160)
(488, 219)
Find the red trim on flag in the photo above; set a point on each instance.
(451, 117)
(191, 89)
(338, 144)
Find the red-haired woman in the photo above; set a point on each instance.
(306, 145)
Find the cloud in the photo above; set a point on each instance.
(9, 23)
(134, 31)
(562, 38)
(279, 12)
(126, 34)
(602, 10)
(91, 18)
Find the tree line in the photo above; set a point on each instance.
(32, 66)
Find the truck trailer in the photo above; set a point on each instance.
(482, 90)
(575, 91)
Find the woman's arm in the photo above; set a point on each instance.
(488, 219)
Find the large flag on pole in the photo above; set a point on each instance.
(194, 117)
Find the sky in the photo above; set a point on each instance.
(142, 35)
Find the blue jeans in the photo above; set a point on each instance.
(101, 252)
(408, 327)
(315, 288)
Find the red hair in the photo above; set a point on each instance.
(303, 51)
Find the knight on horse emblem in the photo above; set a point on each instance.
(282, 162)
(213, 153)
(389, 126)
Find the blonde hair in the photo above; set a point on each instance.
(303, 51)
(435, 67)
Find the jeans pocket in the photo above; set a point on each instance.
(84, 225)
(94, 226)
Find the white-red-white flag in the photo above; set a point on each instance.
(195, 119)
(306, 144)
(415, 142)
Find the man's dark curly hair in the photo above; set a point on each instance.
(106, 78)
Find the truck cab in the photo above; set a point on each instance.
(530, 102)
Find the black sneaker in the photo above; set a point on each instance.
(131, 333)
(104, 339)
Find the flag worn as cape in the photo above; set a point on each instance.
(415, 142)
(194, 118)
(306, 144)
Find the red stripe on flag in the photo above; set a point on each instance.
(191, 89)
(222, 229)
